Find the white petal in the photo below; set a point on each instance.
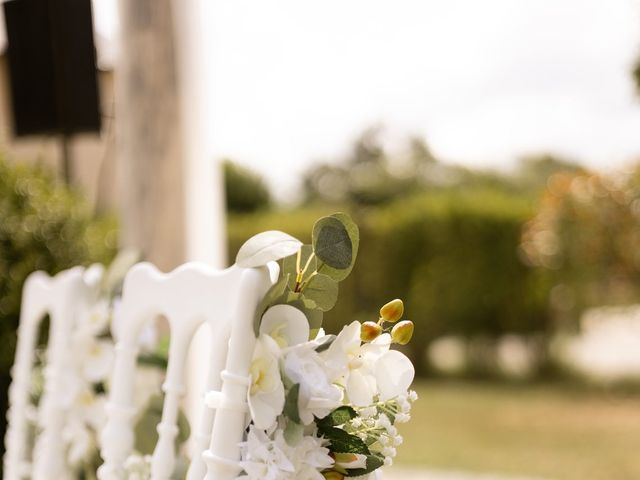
(359, 389)
(394, 374)
(265, 408)
(286, 325)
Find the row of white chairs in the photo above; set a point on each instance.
(188, 297)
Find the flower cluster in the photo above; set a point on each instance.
(318, 400)
(322, 406)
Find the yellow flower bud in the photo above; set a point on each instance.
(402, 332)
(333, 475)
(344, 457)
(369, 331)
(392, 311)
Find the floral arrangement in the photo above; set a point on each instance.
(86, 377)
(322, 406)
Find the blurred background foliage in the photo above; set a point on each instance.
(43, 226)
(477, 255)
(245, 190)
(445, 238)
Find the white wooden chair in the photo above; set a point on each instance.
(191, 295)
(62, 297)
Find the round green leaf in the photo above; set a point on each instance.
(332, 244)
(346, 225)
(323, 290)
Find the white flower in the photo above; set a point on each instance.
(80, 441)
(95, 358)
(309, 456)
(394, 373)
(266, 394)
(97, 319)
(317, 396)
(351, 364)
(367, 370)
(287, 325)
(89, 408)
(403, 417)
(138, 467)
(264, 458)
(389, 452)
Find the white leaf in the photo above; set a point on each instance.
(266, 247)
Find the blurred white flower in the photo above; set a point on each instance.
(94, 357)
(80, 441)
(266, 394)
(97, 319)
(138, 467)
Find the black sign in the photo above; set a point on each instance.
(52, 66)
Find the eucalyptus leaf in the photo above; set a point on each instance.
(314, 316)
(293, 433)
(323, 290)
(331, 243)
(291, 404)
(354, 236)
(266, 247)
(297, 297)
(270, 298)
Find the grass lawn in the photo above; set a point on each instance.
(547, 431)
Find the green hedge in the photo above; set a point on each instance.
(452, 256)
(43, 226)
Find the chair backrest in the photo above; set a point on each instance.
(61, 297)
(188, 297)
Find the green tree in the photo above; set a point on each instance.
(245, 190)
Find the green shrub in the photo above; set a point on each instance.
(452, 256)
(43, 226)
